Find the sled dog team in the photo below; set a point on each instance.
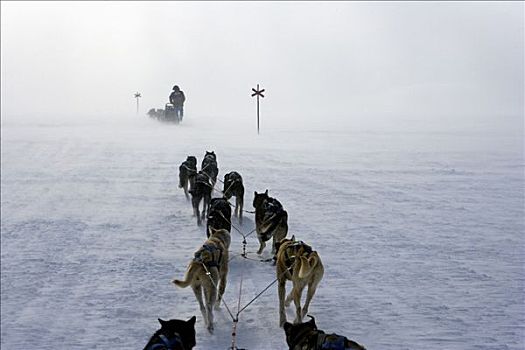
(207, 272)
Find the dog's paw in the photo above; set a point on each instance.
(210, 329)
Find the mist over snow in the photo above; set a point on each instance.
(391, 132)
(336, 64)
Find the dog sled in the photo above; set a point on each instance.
(170, 114)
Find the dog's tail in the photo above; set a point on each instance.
(192, 269)
(308, 264)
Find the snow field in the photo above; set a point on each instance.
(421, 235)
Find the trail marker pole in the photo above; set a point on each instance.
(137, 96)
(257, 93)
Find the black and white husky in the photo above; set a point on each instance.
(209, 167)
(271, 220)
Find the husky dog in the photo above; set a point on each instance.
(151, 113)
(219, 215)
(158, 114)
(233, 187)
(306, 336)
(173, 335)
(297, 262)
(209, 166)
(208, 271)
(201, 190)
(271, 220)
(187, 172)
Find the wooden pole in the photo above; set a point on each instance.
(257, 110)
(257, 92)
(137, 96)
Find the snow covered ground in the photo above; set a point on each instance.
(421, 234)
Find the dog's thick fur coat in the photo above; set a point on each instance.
(233, 186)
(201, 191)
(212, 257)
(306, 336)
(271, 220)
(173, 335)
(187, 173)
(297, 262)
(219, 215)
(209, 167)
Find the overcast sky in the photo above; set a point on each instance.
(329, 61)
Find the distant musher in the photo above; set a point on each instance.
(177, 98)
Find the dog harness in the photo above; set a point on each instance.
(296, 246)
(229, 185)
(273, 206)
(210, 162)
(273, 211)
(330, 342)
(304, 339)
(201, 180)
(167, 344)
(310, 339)
(192, 170)
(213, 250)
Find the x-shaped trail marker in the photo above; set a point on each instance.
(257, 92)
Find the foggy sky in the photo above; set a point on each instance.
(329, 62)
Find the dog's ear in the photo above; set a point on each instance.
(255, 193)
(162, 322)
(293, 238)
(287, 326)
(266, 192)
(191, 321)
(312, 321)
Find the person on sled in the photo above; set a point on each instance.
(177, 98)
